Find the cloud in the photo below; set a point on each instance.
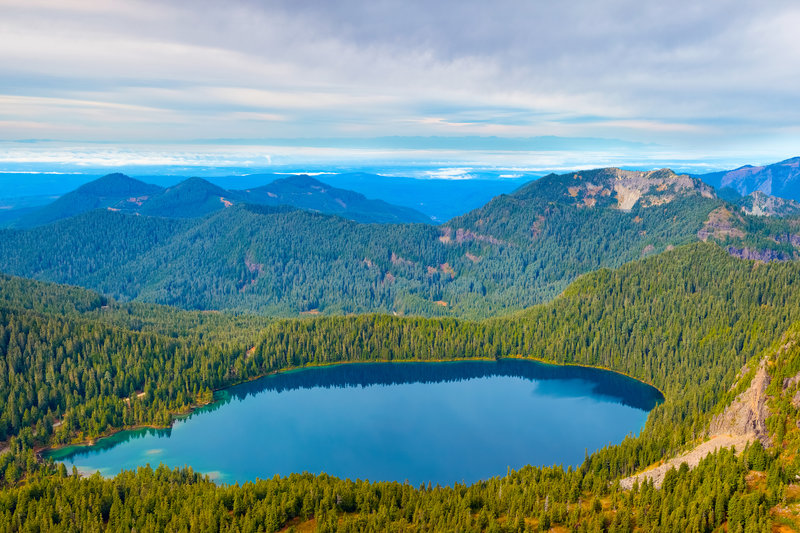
(682, 73)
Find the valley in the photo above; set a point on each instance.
(635, 272)
(399, 266)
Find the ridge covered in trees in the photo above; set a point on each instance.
(517, 251)
(686, 321)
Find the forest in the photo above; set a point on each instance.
(687, 321)
(517, 251)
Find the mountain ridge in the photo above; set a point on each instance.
(197, 197)
(309, 193)
(515, 251)
(780, 179)
(110, 191)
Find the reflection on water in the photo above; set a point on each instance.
(613, 386)
(440, 422)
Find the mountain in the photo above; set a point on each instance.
(191, 198)
(196, 197)
(116, 191)
(440, 199)
(274, 260)
(758, 203)
(518, 250)
(308, 193)
(779, 179)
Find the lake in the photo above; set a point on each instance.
(439, 422)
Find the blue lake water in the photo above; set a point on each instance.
(438, 422)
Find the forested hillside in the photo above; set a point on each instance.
(686, 321)
(309, 193)
(517, 251)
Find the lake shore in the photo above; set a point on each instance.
(44, 452)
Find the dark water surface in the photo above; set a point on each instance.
(438, 422)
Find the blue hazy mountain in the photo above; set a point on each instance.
(192, 198)
(778, 179)
(196, 197)
(308, 193)
(115, 191)
(439, 199)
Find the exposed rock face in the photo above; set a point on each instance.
(742, 422)
(720, 224)
(758, 255)
(691, 458)
(747, 415)
(656, 187)
(791, 382)
(792, 238)
(629, 187)
(761, 204)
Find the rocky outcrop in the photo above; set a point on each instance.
(691, 458)
(743, 421)
(791, 238)
(632, 187)
(758, 255)
(761, 204)
(788, 383)
(721, 223)
(747, 415)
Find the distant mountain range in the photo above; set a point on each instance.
(310, 194)
(111, 191)
(440, 199)
(779, 179)
(199, 246)
(196, 197)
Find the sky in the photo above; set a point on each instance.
(260, 82)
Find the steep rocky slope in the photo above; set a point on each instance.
(758, 203)
(766, 411)
(779, 179)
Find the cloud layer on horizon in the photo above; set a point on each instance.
(695, 74)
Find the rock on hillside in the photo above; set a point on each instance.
(721, 223)
(758, 203)
(617, 188)
(742, 422)
(747, 415)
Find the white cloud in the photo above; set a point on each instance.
(682, 73)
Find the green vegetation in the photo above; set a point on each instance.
(686, 321)
(76, 364)
(517, 251)
(714, 493)
(766, 238)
